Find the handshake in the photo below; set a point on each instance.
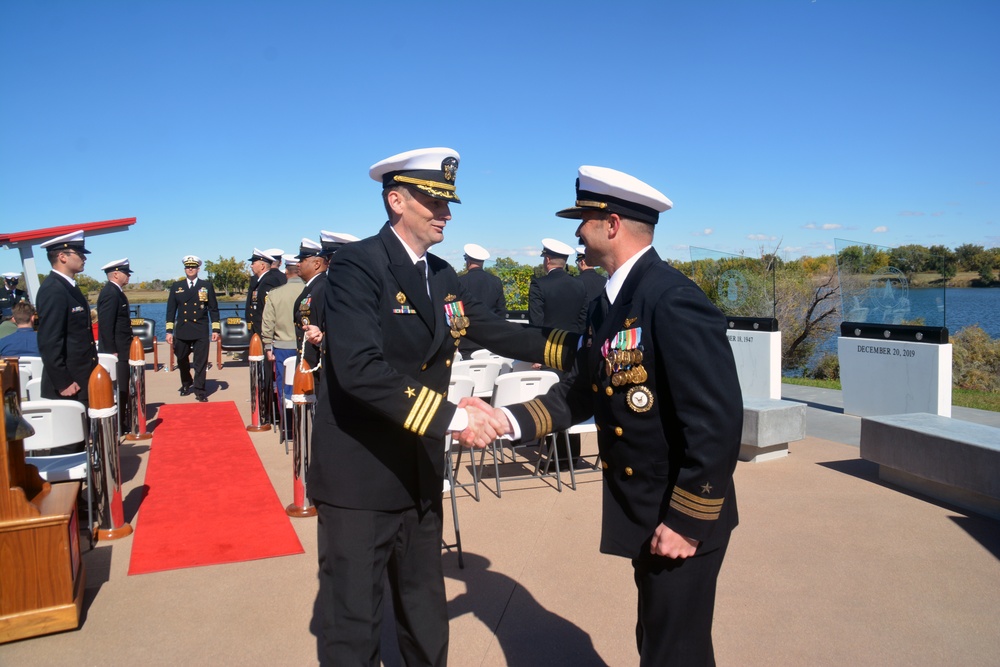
(486, 423)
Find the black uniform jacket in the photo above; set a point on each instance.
(114, 325)
(487, 289)
(310, 309)
(189, 309)
(382, 408)
(559, 300)
(257, 293)
(670, 458)
(593, 282)
(65, 337)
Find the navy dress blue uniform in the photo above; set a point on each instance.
(378, 442)
(266, 282)
(65, 338)
(488, 290)
(557, 299)
(656, 372)
(593, 283)
(114, 334)
(309, 309)
(192, 316)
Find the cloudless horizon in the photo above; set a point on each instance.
(223, 125)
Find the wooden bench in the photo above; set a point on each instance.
(944, 458)
(768, 426)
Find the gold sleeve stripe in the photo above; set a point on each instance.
(170, 325)
(697, 515)
(554, 349)
(422, 411)
(708, 502)
(431, 411)
(215, 326)
(540, 415)
(677, 501)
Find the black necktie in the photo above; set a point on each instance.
(422, 268)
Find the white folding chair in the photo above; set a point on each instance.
(286, 401)
(505, 362)
(514, 388)
(24, 377)
(578, 429)
(59, 423)
(32, 390)
(459, 387)
(483, 371)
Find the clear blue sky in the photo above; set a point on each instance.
(223, 126)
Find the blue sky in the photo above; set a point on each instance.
(222, 126)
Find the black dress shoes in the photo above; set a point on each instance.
(185, 390)
(202, 398)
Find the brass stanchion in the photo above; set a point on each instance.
(105, 472)
(137, 392)
(303, 408)
(258, 384)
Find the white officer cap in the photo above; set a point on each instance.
(261, 256)
(71, 241)
(601, 188)
(118, 265)
(10, 275)
(581, 252)
(556, 248)
(192, 261)
(332, 241)
(430, 170)
(309, 248)
(290, 260)
(476, 252)
(276, 253)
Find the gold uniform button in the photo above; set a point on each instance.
(604, 465)
(424, 367)
(447, 363)
(594, 386)
(628, 471)
(618, 431)
(609, 391)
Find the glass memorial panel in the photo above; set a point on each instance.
(882, 285)
(739, 286)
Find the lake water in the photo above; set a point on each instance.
(963, 307)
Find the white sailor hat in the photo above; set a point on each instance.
(290, 260)
(432, 171)
(581, 252)
(118, 265)
(601, 188)
(309, 248)
(191, 261)
(10, 275)
(476, 252)
(556, 248)
(276, 253)
(260, 256)
(332, 241)
(71, 241)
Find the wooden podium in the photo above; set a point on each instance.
(41, 577)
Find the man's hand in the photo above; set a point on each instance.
(498, 418)
(312, 333)
(215, 336)
(270, 355)
(71, 390)
(170, 339)
(672, 545)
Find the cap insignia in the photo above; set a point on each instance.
(449, 166)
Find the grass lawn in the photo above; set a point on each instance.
(981, 400)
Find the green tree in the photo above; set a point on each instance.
(87, 284)
(966, 255)
(943, 261)
(909, 259)
(515, 278)
(228, 275)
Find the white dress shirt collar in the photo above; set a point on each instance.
(617, 278)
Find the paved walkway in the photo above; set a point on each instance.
(829, 566)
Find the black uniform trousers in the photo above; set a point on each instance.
(676, 608)
(355, 547)
(183, 349)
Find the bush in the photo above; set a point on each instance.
(976, 360)
(827, 368)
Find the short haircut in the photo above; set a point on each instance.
(22, 312)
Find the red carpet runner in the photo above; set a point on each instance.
(210, 500)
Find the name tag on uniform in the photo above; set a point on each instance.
(76, 309)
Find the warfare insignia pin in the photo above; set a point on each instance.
(400, 297)
(450, 298)
(630, 321)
